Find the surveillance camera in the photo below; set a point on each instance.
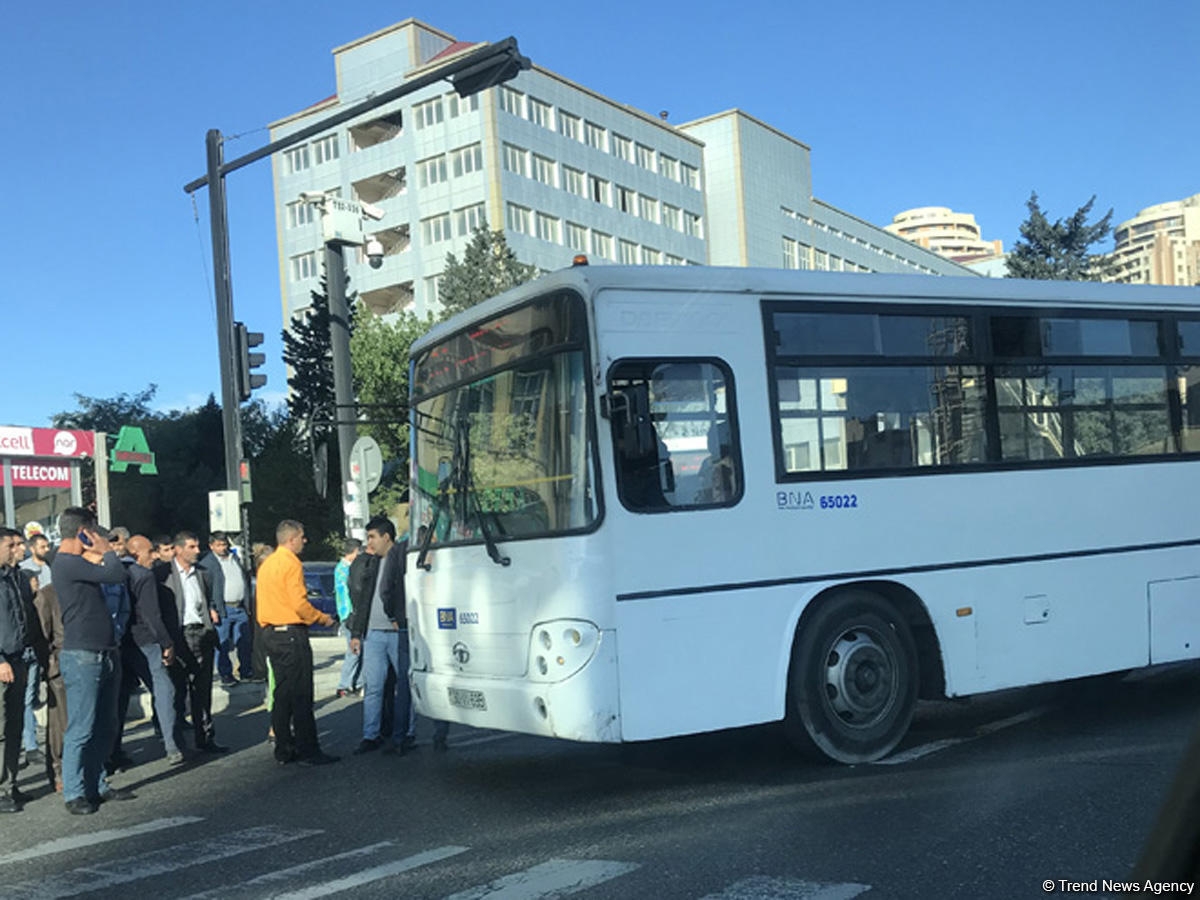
(313, 196)
(370, 210)
(374, 251)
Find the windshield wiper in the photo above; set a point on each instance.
(468, 480)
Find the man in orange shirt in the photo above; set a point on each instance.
(284, 613)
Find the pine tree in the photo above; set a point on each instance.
(489, 267)
(1059, 251)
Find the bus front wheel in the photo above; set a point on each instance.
(852, 684)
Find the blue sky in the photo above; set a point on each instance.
(971, 106)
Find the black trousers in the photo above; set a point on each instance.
(133, 670)
(12, 723)
(292, 711)
(196, 655)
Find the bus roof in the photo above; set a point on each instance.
(808, 284)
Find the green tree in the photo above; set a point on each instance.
(308, 352)
(488, 267)
(379, 348)
(1059, 251)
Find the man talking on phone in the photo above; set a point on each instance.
(89, 660)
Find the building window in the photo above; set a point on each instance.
(602, 245)
(577, 237)
(673, 260)
(672, 217)
(628, 253)
(547, 228)
(432, 289)
(512, 101)
(803, 256)
(835, 264)
(461, 105)
(648, 208)
(691, 225)
(573, 181)
(668, 167)
(600, 190)
(467, 160)
(595, 136)
(789, 253)
(436, 229)
(651, 257)
(622, 148)
(625, 199)
(520, 219)
(431, 171)
(467, 219)
(299, 213)
(541, 113)
(297, 159)
(325, 149)
(569, 126)
(645, 157)
(304, 266)
(821, 261)
(516, 160)
(544, 170)
(691, 175)
(428, 113)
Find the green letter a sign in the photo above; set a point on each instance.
(131, 448)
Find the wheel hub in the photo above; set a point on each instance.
(859, 677)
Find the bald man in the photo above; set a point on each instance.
(154, 639)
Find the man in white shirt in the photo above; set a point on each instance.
(231, 596)
(188, 586)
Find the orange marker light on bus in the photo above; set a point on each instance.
(579, 260)
(963, 611)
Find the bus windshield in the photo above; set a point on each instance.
(502, 446)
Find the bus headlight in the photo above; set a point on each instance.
(559, 649)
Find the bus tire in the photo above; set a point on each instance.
(852, 683)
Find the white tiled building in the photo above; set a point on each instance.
(562, 169)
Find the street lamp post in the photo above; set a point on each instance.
(477, 70)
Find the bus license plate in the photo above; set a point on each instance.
(464, 699)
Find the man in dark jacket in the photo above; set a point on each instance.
(153, 641)
(187, 588)
(379, 631)
(14, 646)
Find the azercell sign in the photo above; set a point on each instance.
(38, 474)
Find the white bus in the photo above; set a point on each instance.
(659, 501)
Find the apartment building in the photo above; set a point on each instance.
(561, 169)
(1160, 245)
(951, 234)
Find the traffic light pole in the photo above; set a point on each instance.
(343, 390)
(231, 411)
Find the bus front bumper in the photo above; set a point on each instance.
(583, 707)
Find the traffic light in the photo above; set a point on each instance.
(243, 340)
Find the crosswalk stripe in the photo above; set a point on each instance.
(290, 872)
(157, 862)
(553, 878)
(368, 875)
(764, 887)
(78, 841)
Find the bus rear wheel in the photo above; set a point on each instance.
(852, 685)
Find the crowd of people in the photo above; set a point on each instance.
(106, 610)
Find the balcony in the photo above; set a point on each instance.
(390, 299)
(380, 187)
(377, 131)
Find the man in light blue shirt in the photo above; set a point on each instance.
(352, 664)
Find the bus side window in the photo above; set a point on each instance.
(673, 434)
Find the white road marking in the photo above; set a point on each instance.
(471, 742)
(983, 730)
(763, 887)
(553, 878)
(284, 874)
(62, 845)
(368, 875)
(157, 862)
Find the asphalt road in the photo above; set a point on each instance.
(989, 797)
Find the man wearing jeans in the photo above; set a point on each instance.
(352, 663)
(91, 668)
(231, 595)
(380, 634)
(153, 642)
